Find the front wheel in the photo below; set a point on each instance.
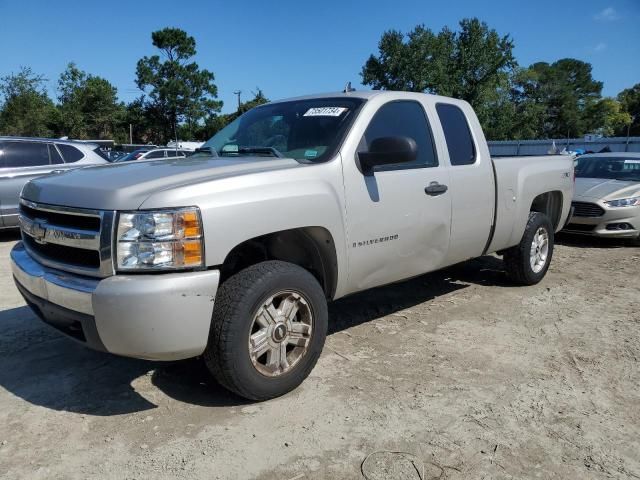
(527, 263)
(268, 328)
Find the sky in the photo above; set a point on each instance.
(289, 48)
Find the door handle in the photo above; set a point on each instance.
(434, 189)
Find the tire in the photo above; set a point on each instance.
(518, 259)
(256, 306)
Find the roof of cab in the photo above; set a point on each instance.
(367, 94)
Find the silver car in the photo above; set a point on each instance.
(607, 196)
(24, 158)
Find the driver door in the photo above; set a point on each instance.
(398, 223)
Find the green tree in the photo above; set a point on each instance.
(566, 91)
(607, 117)
(89, 106)
(630, 103)
(472, 63)
(146, 122)
(26, 108)
(177, 89)
(214, 123)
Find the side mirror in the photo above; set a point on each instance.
(387, 151)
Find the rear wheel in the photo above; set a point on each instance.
(527, 263)
(268, 328)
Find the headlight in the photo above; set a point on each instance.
(624, 202)
(160, 240)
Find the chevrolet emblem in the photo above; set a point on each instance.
(38, 232)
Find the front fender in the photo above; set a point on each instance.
(237, 209)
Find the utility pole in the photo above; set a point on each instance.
(131, 133)
(238, 93)
(626, 147)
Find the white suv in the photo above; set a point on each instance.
(158, 153)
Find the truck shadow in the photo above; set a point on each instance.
(44, 368)
(382, 301)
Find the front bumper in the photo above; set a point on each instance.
(601, 226)
(157, 317)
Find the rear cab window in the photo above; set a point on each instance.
(457, 133)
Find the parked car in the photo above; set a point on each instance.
(24, 158)
(135, 155)
(189, 146)
(606, 202)
(114, 155)
(234, 257)
(158, 153)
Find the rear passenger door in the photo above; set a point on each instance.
(20, 162)
(472, 181)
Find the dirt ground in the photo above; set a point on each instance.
(454, 375)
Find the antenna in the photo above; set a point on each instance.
(348, 88)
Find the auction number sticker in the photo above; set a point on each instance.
(325, 112)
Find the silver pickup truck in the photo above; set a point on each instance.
(233, 253)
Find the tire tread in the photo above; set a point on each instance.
(516, 259)
(219, 354)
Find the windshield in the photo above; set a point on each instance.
(306, 130)
(614, 168)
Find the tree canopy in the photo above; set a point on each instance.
(630, 103)
(470, 64)
(27, 109)
(476, 63)
(177, 89)
(89, 106)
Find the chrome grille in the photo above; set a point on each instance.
(70, 239)
(586, 209)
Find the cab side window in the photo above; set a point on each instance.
(404, 118)
(24, 154)
(462, 150)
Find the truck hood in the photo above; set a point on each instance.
(126, 186)
(605, 189)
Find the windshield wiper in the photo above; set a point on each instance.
(261, 150)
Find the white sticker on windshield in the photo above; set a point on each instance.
(325, 112)
(632, 161)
